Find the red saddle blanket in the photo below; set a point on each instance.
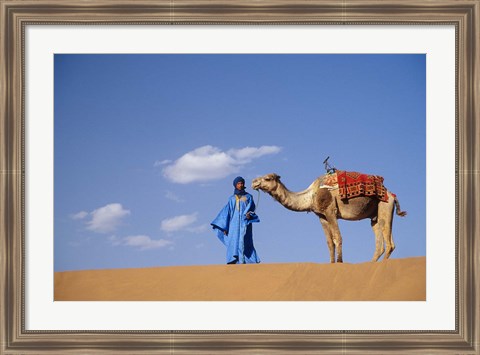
(353, 184)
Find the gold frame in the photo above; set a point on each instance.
(16, 14)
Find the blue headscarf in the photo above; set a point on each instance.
(235, 182)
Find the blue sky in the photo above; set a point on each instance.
(146, 148)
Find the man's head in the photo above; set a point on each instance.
(239, 183)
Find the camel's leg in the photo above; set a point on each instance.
(385, 216)
(328, 236)
(389, 244)
(379, 249)
(335, 235)
(337, 239)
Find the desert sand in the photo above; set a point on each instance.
(388, 280)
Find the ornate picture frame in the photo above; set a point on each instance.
(17, 14)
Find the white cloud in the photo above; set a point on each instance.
(198, 229)
(115, 240)
(172, 197)
(79, 215)
(209, 163)
(160, 163)
(144, 242)
(247, 154)
(177, 223)
(107, 218)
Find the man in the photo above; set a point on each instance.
(234, 225)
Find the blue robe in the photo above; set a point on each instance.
(239, 239)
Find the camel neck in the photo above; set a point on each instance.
(294, 201)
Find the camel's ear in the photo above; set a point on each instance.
(277, 177)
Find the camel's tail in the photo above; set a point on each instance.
(397, 207)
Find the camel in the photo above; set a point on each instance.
(326, 203)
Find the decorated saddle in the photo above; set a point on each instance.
(352, 184)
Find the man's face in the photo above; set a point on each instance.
(240, 185)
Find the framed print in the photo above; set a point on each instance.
(98, 93)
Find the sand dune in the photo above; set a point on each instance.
(390, 280)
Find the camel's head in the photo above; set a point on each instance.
(266, 183)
